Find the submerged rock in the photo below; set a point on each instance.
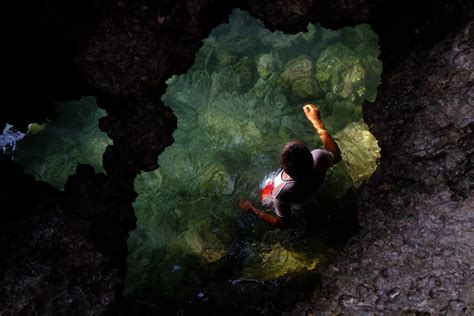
(360, 151)
(340, 72)
(298, 78)
(278, 261)
(267, 64)
(243, 74)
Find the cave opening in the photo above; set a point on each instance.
(236, 108)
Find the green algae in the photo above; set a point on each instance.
(298, 78)
(52, 151)
(361, 149)
(236, 107)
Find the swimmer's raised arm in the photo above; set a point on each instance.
(312, 114)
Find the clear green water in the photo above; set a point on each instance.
(236, 107)
(52, 151)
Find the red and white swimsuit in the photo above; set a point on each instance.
(284, 195)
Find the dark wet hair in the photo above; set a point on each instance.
(296, 160)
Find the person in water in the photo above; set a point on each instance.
(302, 172)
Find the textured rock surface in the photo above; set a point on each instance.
(55, 257)
(356, 141)
(52, 270)
(414, 253)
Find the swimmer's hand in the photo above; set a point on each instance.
(246, 206)
(312, 114)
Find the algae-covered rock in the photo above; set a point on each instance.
(217, 179)
(338, 181)
(342, 113)
(215, 240)
(243, 74)
(298, 78)
(52, 151)
(239, 77)
(278, 40)
(341, 72)
(360, 151)
(224, 57)
(373, 68)
(282, 253)
(241, 34)
(267, 64)
(362, 39)
(275, 261)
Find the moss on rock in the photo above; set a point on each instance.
(298, 78)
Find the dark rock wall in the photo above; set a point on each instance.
(64, 252)
(40, 40)
(51, 262)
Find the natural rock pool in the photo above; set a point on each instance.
(236, 107)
